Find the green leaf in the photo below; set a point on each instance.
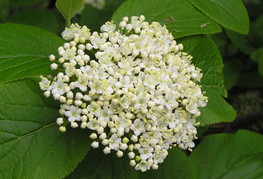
(217, 110)
(36, 17)
(226, 156)
(69, 8)
(230, 14)
(180, 17)
(97, 165)
(258, 57)
(175, 166)
(207, 57)
(231, 73)
(25, 51)
(31, 145)
(242, 42)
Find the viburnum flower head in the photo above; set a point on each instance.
(131, 85)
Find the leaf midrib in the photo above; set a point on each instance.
(28, 134)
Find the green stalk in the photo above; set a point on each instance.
(68, 23)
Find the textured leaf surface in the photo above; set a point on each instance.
(25, 51)
(207, 57)
(225, 156)
(230, 14)
(180, 17)
(31, 145)
(97, 165)
(69, 8)
(217, 156)
(176, 166)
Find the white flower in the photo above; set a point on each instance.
(73, 114)
(131, 155)
(52, 57)
(60, 121)
(114, 142)
(54, 66)
(69, 54)
(59, 87)
(119, 153)
(93, 124)
(45, 84)
(82, 82)
(159, 156)
(133, 87)
(106, 150)
(96, 40)
(138, 127)
(108, 27)
(143, 166)
(75, 29)
(94, 145)
(146, 153)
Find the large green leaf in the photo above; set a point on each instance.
(31, 145)
(228, 156)
(24, 51)
(175, 166)
(180, 17)
(97, 165)
(225, 156)
(207, 57)
(230, 14)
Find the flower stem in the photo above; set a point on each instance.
(68, 23)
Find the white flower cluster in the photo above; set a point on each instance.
(99, 4)
(133, 87)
